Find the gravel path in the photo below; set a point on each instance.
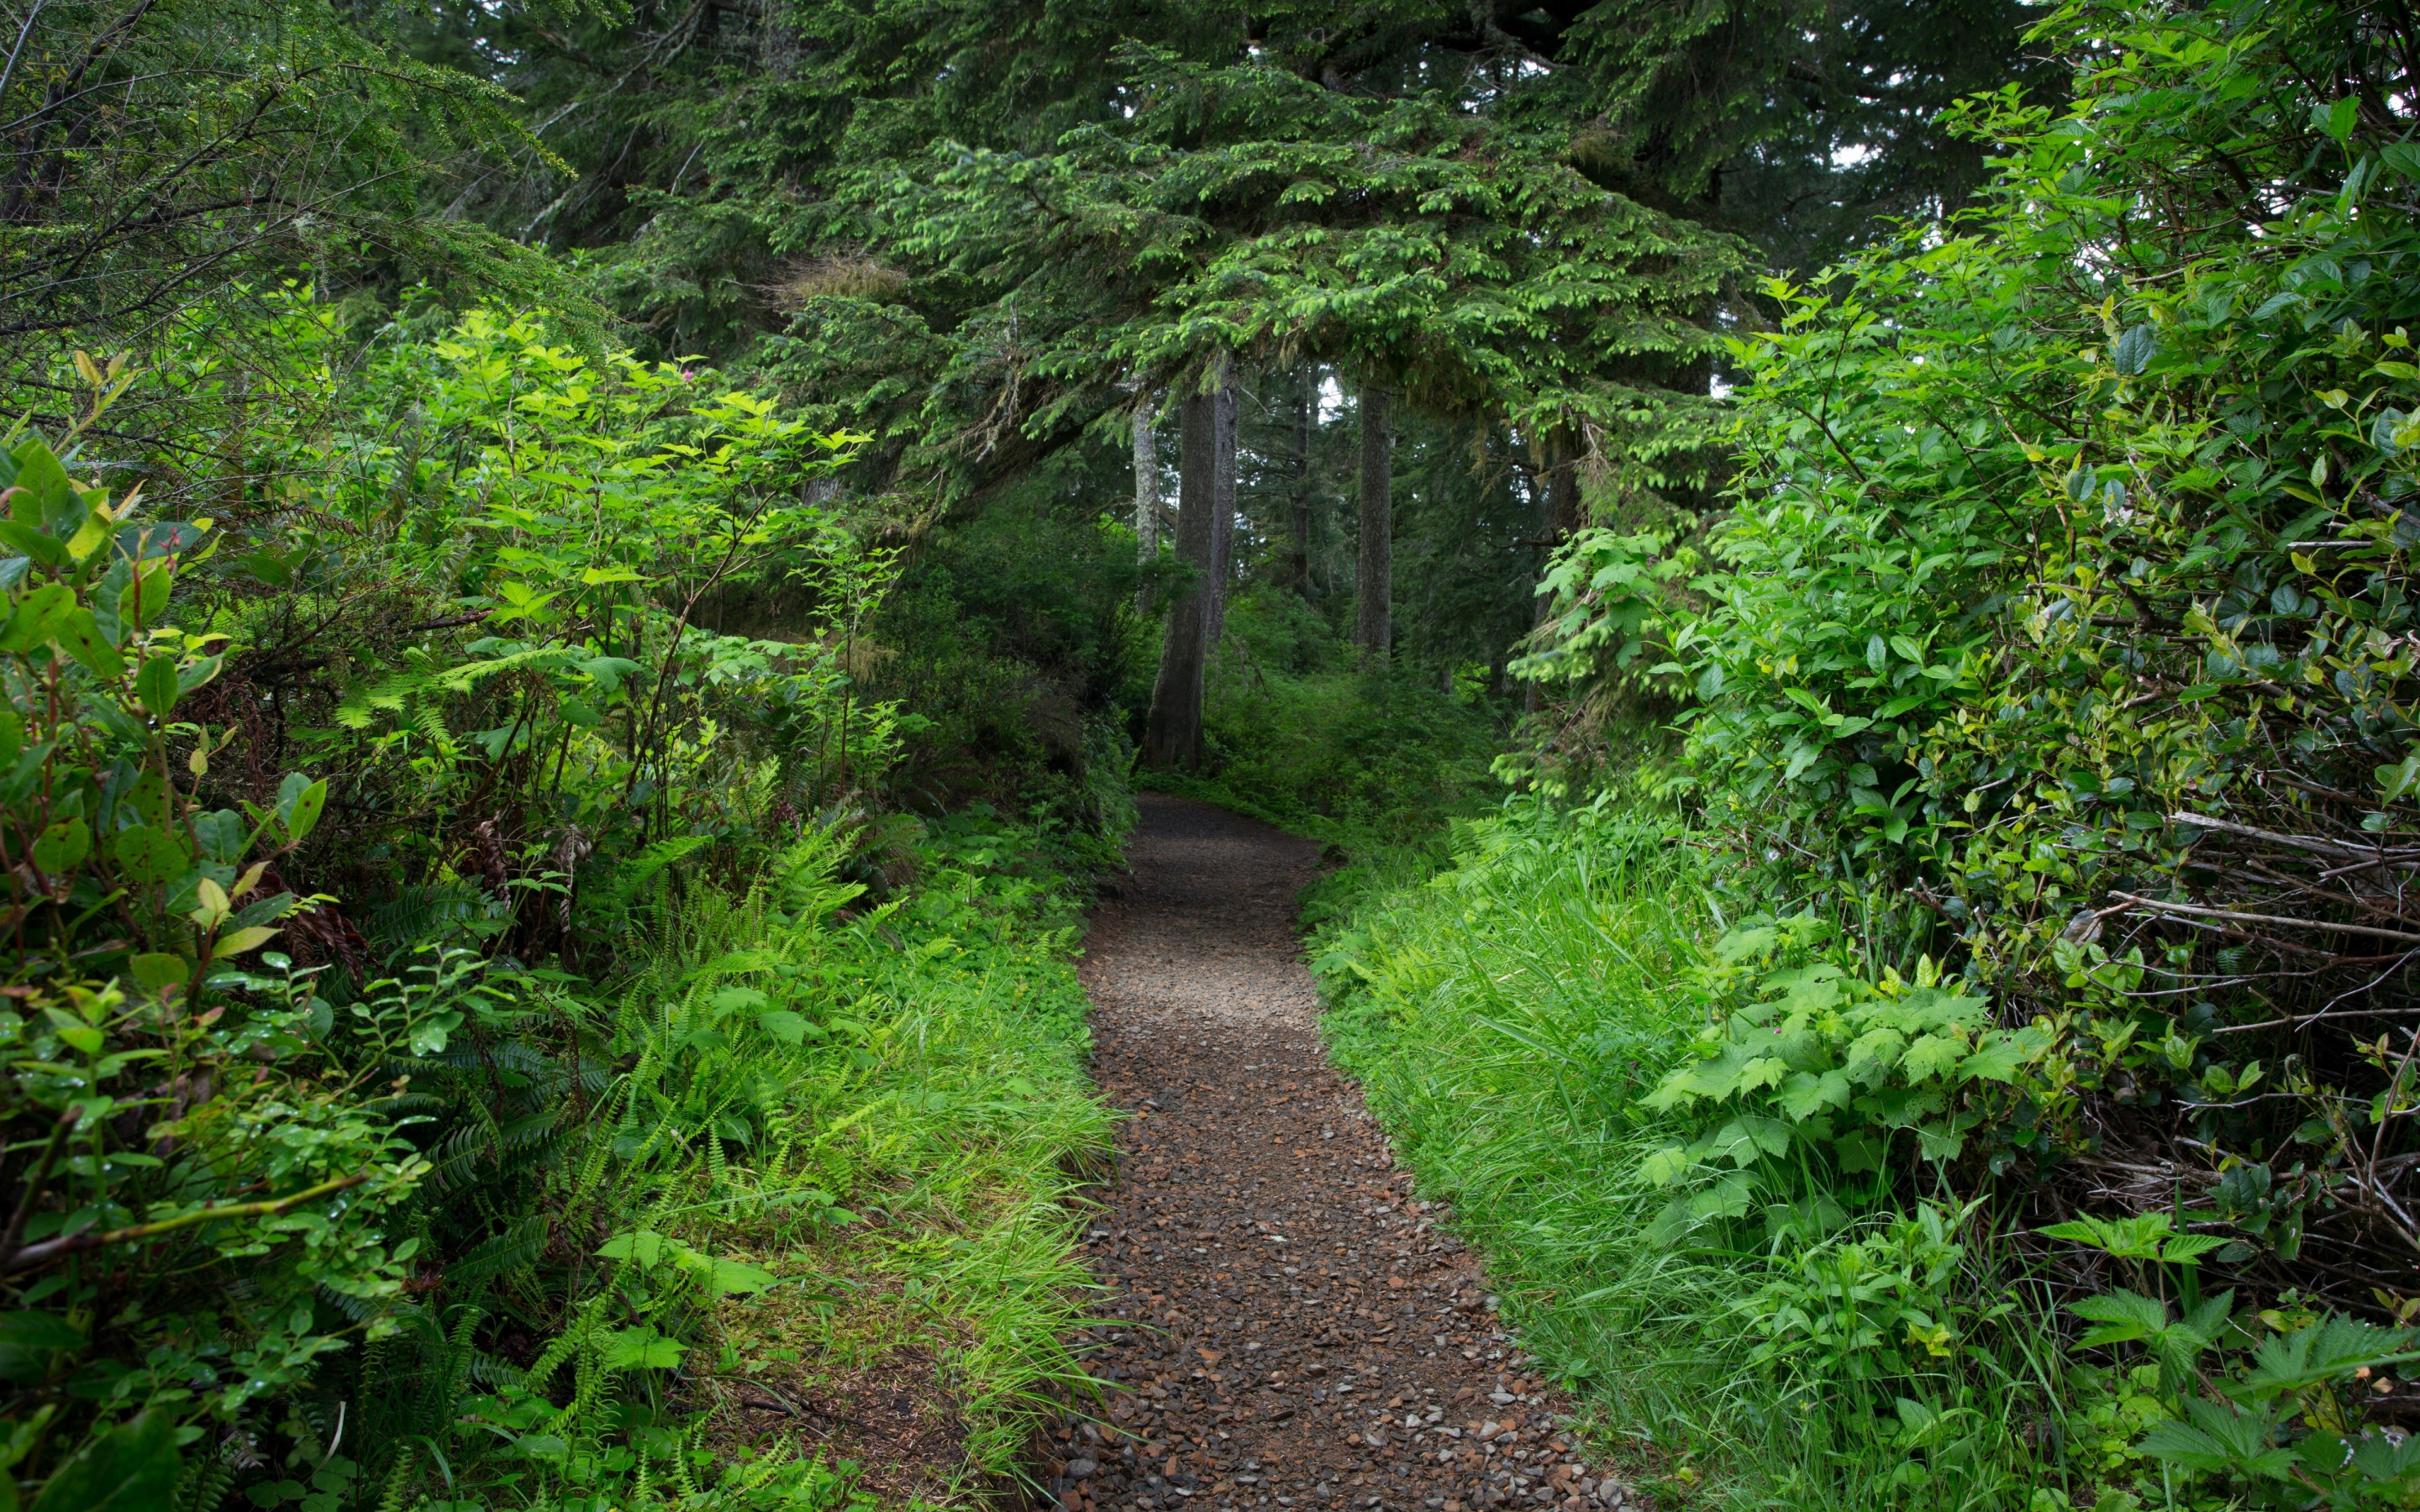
(1300, 1330)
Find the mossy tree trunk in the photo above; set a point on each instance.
(1222, 504)
(1173, 735)
(1375, 564)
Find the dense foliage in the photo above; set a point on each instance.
(2059, 631)
(2011, 1080)
(583, 584)
(443, 1171)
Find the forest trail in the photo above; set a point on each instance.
(1298, 1328)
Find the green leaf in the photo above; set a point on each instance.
(2329, 1350)
(2221, 1439)
(1805, 1094)
(90, 538)
(609, 670)
(155, 973)
(727, 1278)
(38, 1331)
(641, 1348)
(133, 1469)
(156, 685)
(644, 1247)
(298, 810)
(2376, 1460)
(784, 1025)
(236, 942)
(79, 636)
(1668, 1165)
(1999, 1058)
(62, 846)
(1934, 1055)
(44, 482)
(2135, 350)
(195, 674)
(37, 617)
(2123, 1316)
(728, 998)
(150, 854)
(74, 1031)
(2182, 1248)
(28, 542)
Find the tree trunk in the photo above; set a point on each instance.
(1300, 569)
(1563, 517)
(1373, 580)
(1146, 499)
(1173, 735)
(1222, 524)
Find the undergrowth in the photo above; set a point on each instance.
(1297, 735)
(844, 1154)
(634, 1055)
(1510, 1016)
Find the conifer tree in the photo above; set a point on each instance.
(1373, 580)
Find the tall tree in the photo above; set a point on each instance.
(1222, 525)
(1146, 495)
(1172, 730)
(1374, 579)
(1298, 537)
(967, 227)
(169, 164)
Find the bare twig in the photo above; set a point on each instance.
(16, 1231)
(2233, 917)
(2302, 842)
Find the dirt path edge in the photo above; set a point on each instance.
(1291, 1324)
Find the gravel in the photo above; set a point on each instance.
(1295, 1328)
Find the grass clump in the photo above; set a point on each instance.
(1758, 1330)
(812, 1244)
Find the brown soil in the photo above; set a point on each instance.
(888, 1415)
(1300, 1329)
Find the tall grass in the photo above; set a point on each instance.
(944, 1101)
(822, 1149)
(1506, 1013)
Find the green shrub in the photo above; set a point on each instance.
(179, 1114)
(1295, 733)
(597, 1048)
(2056, 639)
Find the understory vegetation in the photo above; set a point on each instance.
(1298, 735)
(587, 586)
(485, 988)
(1934, 1031)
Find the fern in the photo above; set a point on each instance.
(417, 915)
(398, 1482)
(204, 1486)
(509, 1251)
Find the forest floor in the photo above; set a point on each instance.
(1291, 1325)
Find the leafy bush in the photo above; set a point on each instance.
(469, 1191)
(1830, 1069)
(180, 1115)
(1786, 1331)
(2057, 632)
